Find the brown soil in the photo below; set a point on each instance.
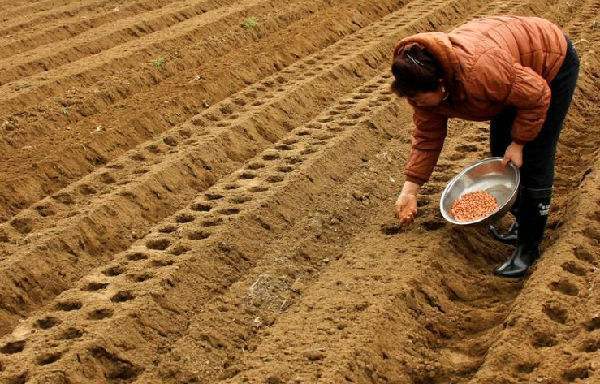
(185, 200)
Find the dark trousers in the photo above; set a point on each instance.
(537, 172)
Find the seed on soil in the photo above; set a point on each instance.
(473, 205)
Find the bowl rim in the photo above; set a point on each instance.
(467, 169)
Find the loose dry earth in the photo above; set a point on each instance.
(188, 200)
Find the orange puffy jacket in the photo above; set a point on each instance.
(488, 64)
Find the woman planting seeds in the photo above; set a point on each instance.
(519, 73)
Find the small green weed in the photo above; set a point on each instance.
(250, 23)
(159, 63)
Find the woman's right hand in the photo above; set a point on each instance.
(406, 204)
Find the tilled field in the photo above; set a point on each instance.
(202, 192)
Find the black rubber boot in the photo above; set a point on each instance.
(531, 218)
(519, 262)
(509, 237)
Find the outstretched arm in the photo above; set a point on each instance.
(427, 141)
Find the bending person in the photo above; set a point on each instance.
(517, 72)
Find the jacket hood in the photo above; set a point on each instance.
(438, 44)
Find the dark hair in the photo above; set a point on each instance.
(415, 70)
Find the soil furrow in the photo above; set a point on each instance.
(80, 220)
(288, 145)
(177, 99)
(481, 318)
(262, 198)
(552, 318)
(117, 39)
(235, 318)
(49, 7)
(32, 22)
(216, 203)
(258, 101)
(467, 311)
(240, 315)
(457, 312)
(359, 300)
(454, 362)
(30, 35)
(550, 334)
(231, 322)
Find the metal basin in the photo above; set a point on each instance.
(488, 175)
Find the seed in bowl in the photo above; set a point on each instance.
(473, 205)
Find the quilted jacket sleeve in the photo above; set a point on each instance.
(427, 141)
(502, 80)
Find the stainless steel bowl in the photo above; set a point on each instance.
(487, 175)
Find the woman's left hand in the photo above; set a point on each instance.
(514, 153)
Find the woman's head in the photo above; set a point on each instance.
(417, 76)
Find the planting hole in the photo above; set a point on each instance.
(213, 196)
(240, 199)
(212, 223)
(229, 187)
(13, 347)
(44, 210)
(574, 268)
(391, 229)
(153, 148)
(114, 271)
(99, 314)
(162, 262)
(275, 179)
(49, 358)
(198, 235)
(141, 277)
(201, 207)
(47, 322)
(229, 211)
(136, 256)
(122, 296)
(294, 159)
(258, 188)
(158, 244)
(284, 147)
(71, 333)
(138, 157)
(271, 156)
(593, 323)
(184, 218)
(575, 373)
(184, 133)
(107, 178)
(308, 150)
(169, 228)
(590, 345)
(170, 140)
(555, 312)
(256, 165)
(544, 340)
(433, 225)
(565, 287)
(71, 305)
(179, 250)
(94, 286)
